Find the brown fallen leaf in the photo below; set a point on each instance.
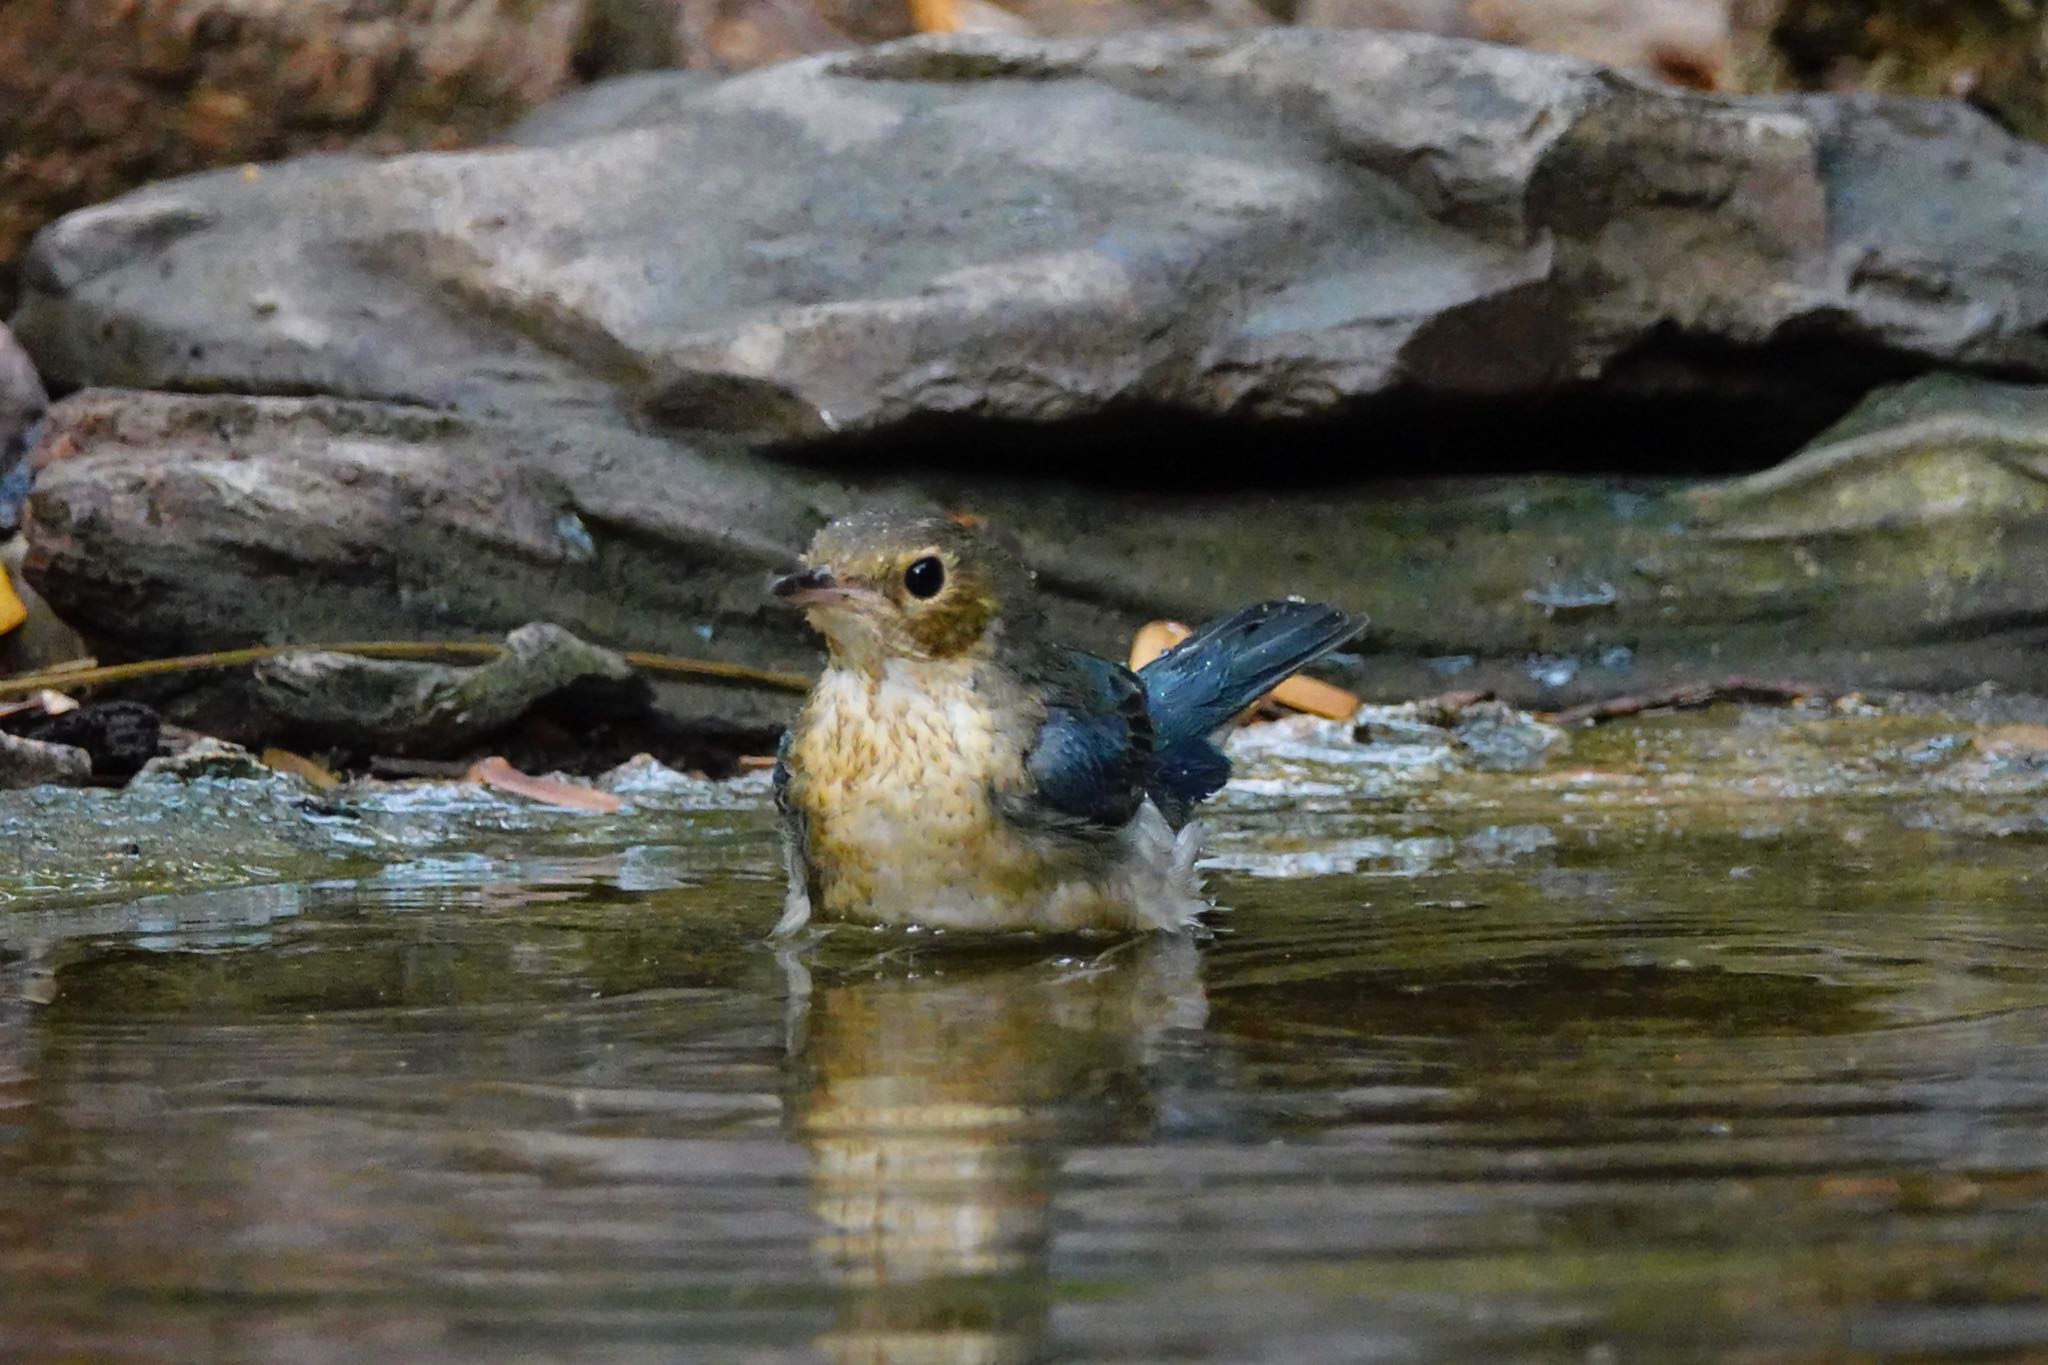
(313, 773)
(755, 763)
(496, 773)
(1316, 697)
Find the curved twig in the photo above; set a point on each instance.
(706, 670)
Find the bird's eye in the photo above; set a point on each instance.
(925, 577)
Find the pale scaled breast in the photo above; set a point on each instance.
(895, 777)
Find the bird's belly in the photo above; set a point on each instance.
(983, 874)
(897, 844)
(903, 829)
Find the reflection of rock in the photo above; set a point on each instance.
(936, 1098)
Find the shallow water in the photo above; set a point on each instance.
(1720, 1037)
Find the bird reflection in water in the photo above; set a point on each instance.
(937, 1092)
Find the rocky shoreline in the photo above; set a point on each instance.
(1506, 349)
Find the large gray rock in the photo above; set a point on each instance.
(1274, 224)
(541, 379)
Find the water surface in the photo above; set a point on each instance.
(1718, 1038)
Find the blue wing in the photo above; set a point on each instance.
(1092, 757)
(1199, 684)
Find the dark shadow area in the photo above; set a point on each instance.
(1675, 408)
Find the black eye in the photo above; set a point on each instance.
(925, 577)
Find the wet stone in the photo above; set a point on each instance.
(402, 707)
(28, 762)
(120, 736)
(1498, 738)
(207, 760)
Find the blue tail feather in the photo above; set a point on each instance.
(1195, 688)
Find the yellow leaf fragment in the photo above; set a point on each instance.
(12, 612)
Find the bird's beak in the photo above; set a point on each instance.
(811, 587)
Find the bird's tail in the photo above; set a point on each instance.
(1194, 688)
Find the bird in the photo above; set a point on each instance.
(954, 769)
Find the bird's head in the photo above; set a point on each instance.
(883, 585)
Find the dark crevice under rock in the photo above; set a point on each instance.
(1399, 436)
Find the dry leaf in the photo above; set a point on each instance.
(1316, 697)
(496, 773)
(933, 16)
(56, 703)
(43, 703)
(310, 771)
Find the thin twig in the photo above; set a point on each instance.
(708, 670)
(1689, 698)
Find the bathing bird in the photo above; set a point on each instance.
(953, 768)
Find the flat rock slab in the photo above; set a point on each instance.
(1273, 224)
(1906, 548)
(34, 763)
